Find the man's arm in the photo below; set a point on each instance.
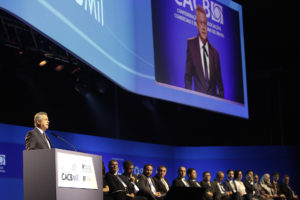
(30, 141)
(219, 81)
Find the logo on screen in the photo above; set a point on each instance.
(213, 11)
(2, 160)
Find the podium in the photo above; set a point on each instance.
(56, 174)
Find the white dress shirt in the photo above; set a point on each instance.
(240, 187)
(185, 182)
(165, 184)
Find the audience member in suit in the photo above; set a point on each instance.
(128, 175)
(229, 185)
(205, 183)
(37, 138)
(147, 185)
(161, 183)
(286, 189)
(268, 187)
(192, 174)
(240, 187)
(118, 187)
(259, 193)
(248, 183)
(106, 195)
(275, 183)
(219, 190)
(131, 180)
(180, 181)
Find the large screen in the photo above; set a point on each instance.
(152, 48)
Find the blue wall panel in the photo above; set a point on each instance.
(262, 159)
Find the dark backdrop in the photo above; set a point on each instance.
(80, 100)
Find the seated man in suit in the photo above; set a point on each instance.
(120, 189)
(161, 183)
(248, 183)
(129, 176)
(275, 183)
(192, 174)
(147, 185)
(286, 189)
(37, 138)
(131, 179)
(218, 188)
(180, 181)
(229, 184)
(205, 183)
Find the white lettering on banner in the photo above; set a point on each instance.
(76, 171)
(95, 7)
(214, 11)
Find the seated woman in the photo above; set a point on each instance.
(240, 187)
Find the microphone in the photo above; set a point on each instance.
(64, 140)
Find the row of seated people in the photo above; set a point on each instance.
(129, 186)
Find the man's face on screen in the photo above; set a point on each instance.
(202, 26)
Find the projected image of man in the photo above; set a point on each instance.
(203, 68)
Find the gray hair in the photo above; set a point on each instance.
(38, 117)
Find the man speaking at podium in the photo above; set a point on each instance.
(37, 138)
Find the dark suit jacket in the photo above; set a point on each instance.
(193, 183)
(228, 187)
(177, 182)
(249, 188)
(286, 190)
(208, 188)
(217, 192)
(160, 186)
(194, 70)
(34, 140)
(115, 184)
(144, 186)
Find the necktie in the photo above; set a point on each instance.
(152, 186)
(165, 183)
(197, 184)
(205, 65)
(46, 139)
(135, 187)
(125, 186)
(185, 183)
(221, 188)
(232, 186)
